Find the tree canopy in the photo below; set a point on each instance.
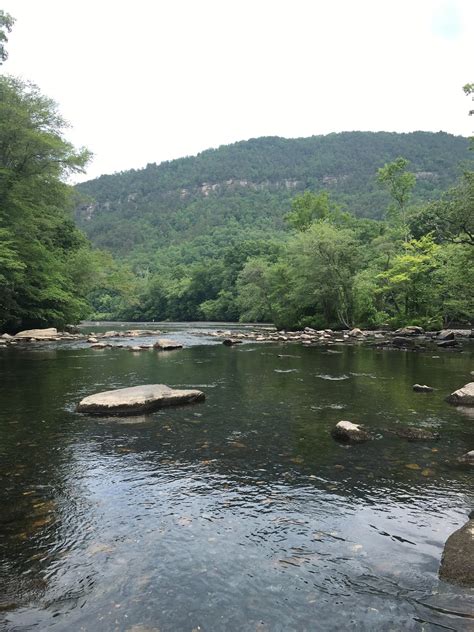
(41, 250)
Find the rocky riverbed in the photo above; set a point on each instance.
(410, 338)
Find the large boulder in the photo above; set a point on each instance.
(356, 332)
(137, 399)
(463, 396)
(457, 562)
(346, 431)
(38, 334)
(163, 344)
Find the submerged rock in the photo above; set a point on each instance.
(137, 399)
(164, 344)
(403, 341)
(229, 342)
(346, 431)
(444, 344)
(463, 396)
(457, 562)
(422, 388)
(416, 434)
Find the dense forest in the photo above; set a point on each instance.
(323, 231)
(350, 228)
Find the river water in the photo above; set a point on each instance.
(237, 514)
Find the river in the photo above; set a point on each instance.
(237, 514)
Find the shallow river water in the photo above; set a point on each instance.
(239, 513)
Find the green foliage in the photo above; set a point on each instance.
(400, 184)
(311, 207)
(41, 250)
(6, 24)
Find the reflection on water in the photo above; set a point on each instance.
(238, 514)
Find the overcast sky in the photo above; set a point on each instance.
(153, 80)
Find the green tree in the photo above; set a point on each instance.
(399, 183)
(37, 235)
(6, 24)
(310, 207)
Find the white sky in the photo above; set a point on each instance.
(153, 80)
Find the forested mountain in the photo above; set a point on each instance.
(250, 184)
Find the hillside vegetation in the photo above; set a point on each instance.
(250, 185)
(325, 231)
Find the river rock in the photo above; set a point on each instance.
(7, 337)
(166, 345)
(72, 329)
(356, 332)
(445, 334)
(411, 330)
(447, 343)
(229, 342)
(98, 345)
(416, 434)
(137, 399)
(346, 431)
(468, 458)
(457, 562)
(39, 334)
(422, 388)
(463, 396)
(403, 341)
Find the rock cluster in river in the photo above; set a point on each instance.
(408, 338)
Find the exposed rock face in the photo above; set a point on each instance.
(463, 396)
(137, 399)
(346, 431)
(457, 562)
(166, 345)
(422, 388)
(416, 434)
(38, 334)
(468, 458)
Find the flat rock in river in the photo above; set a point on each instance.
(38, 334)
(463, 396)
(137, 399)
(162, 344)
